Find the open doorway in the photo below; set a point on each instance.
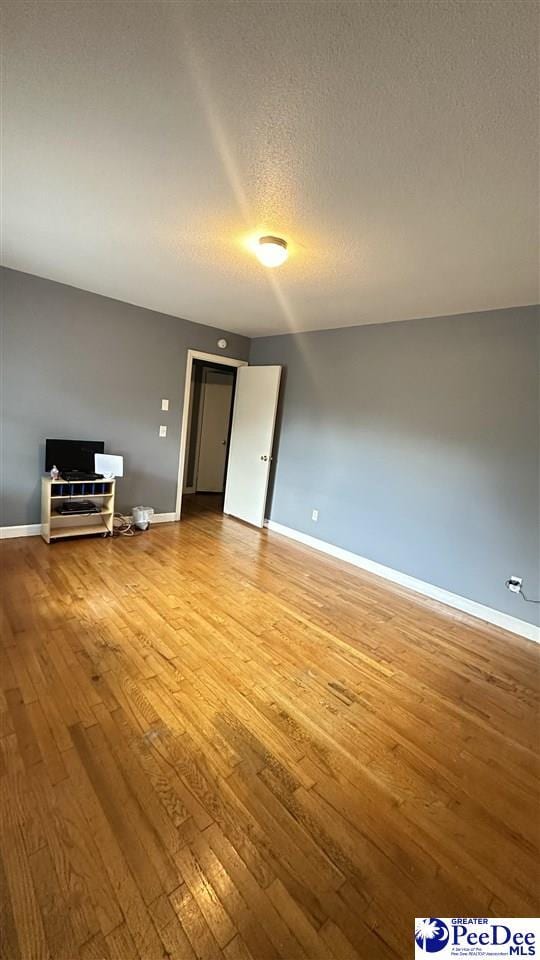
(208, 437)
(207, 433)
(227, 436)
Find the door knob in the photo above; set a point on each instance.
(264, 458)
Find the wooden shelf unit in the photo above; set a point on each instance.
(56, 526)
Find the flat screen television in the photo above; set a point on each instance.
(72, 455)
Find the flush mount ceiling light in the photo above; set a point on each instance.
(271, 251)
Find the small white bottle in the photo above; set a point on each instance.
(55, 473)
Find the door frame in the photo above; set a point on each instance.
(191, 356)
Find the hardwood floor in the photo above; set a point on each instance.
(215, 743)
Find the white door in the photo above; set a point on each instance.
(250, 454)
(215, 419)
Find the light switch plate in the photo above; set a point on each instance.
(164, 404)
(163, 430)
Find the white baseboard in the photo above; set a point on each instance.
(24, 530)
(504, 620)
(34, 529)
(163, 517)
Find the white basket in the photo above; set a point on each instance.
(142, 517)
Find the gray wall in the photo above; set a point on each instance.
(81, 366)
(418, 442)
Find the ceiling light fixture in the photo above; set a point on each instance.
(271, 251)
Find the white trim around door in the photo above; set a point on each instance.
(191, 356)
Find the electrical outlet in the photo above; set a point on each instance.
(514, 584)
(163, 430)
(314, 515)
(164, 404)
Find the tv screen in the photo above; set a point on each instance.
(72, 454)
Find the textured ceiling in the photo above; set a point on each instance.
(393, 144)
